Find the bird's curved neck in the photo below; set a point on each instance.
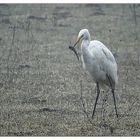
(84, 48)
(85, 52)
(85, 43)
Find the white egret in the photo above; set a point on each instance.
(98, 60)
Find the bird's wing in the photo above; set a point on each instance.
(98, 49)
(104, 58)
(104, 50)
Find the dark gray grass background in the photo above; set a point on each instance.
(43, 89)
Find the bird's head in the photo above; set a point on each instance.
(83, 35)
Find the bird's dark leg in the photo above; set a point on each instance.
(112, 90)
(98, 92)
(114, 102)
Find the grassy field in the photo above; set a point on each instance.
(43, 88)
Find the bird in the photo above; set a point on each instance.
(100, 63)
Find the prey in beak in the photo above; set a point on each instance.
(73, 47)
(74, 50)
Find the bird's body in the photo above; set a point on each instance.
(98, 60)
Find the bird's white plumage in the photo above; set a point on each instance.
(99, 62)
(97, 59)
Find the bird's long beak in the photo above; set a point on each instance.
(77, 41)
(73, 47)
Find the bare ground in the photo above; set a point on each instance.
(43, 89)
